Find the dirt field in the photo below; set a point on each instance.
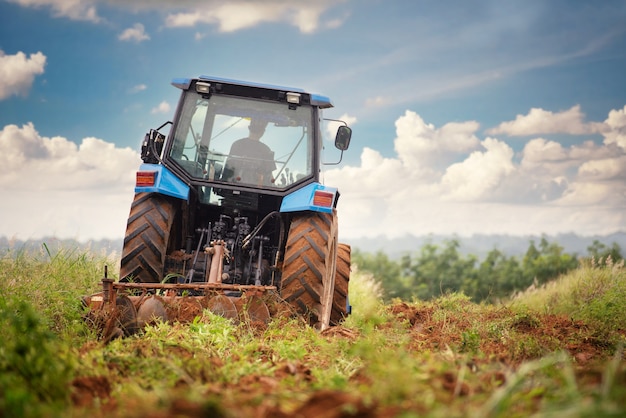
(462, 356)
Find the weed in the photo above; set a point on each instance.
(470, 342)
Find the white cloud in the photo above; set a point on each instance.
(136, 34)
(236, 15)
(18, 72)
(447, 181)
(163, 107)
(72, 9)
(228, 16)
(480, 173)
(52, 185)
(137, 88)
(616, 132)
(40, 163)
(378, 101)
(420, 145)
(606, 169)
(539, 121)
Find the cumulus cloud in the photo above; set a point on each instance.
(72, 9)
(135, 34)
(539, 121)
(422, 146)
(18, 72)
(52, 185)
(616, 128)
(163, 107)
(446, 180)
(41, 163)
(480, 173)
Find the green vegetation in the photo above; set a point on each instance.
(554, 349)
(433, 271)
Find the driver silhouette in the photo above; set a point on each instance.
(251, 161)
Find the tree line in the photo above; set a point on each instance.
(437, 270)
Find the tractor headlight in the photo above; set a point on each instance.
(203, 88)
(293, 98)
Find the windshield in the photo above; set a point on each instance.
(244, 141)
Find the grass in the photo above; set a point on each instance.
(595, 293)
(551, 351)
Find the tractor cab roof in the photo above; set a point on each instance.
(318, 100)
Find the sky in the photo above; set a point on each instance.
(468, 116)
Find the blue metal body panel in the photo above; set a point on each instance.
(181, 83)
(165, 183)
(318, 100)
(302, 199)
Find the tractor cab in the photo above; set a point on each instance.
(238, 141)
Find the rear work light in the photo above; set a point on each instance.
(324, 199)
(146, 178)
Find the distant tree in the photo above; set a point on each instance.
(435, 270)
(600, 251)
(432, 273)
(498, 277)
(546, 262)
(385, 271)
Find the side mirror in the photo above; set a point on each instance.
(342, 140)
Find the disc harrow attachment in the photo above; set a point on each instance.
(123, 309)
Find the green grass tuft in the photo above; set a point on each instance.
(594, 293)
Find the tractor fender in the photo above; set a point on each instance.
(164, 182)
(313, 197)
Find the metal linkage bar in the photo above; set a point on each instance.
(192, 286)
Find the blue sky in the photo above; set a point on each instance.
(469, 116)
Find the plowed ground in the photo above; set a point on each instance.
(464, 356)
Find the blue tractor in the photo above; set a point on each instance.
(229, 212)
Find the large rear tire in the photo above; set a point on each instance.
(342, 279)
(308, 279)
(147, 238)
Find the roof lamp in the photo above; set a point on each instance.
(203, 88)
(293, 98)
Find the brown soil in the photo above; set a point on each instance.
(86, 389)
(430, 327)
(183, 310)
(550, 332)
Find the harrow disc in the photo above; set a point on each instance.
(222, 305)
(123, 320)
(152, 310)
(255, 310)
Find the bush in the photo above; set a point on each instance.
(34, 377)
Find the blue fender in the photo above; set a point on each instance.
(313, 197)
(165, 182)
